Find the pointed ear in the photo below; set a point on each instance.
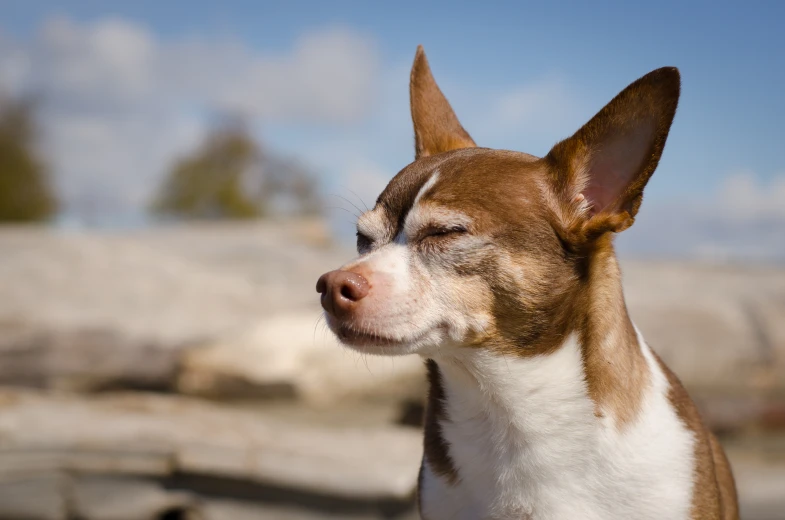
(436, 128)
(600, 172)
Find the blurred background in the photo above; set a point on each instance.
(175, 176)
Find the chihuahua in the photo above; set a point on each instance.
(498, 268)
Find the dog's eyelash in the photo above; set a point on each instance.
(438, 232)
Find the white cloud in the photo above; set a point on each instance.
(545, 101)
(119, 103)
(327, 76)
(744, 219)
(742, 195)
(529, 117)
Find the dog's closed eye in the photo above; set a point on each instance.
(440, 232)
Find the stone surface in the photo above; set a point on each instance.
(112, 498)
(170, 284)
(34, 497)
(720, 328)
(760, 479)
(85, 360)
(291, 354)
(245, 510)
(156, 435)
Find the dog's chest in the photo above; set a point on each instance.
(526, 444)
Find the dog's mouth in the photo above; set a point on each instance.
(370, 340)
(356, 338)
(373, 342)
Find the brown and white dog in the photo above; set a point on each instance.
(498, 268)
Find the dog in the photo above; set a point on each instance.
(498, 268)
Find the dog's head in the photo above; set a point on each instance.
(475, 246)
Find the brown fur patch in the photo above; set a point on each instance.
(727, 485)
(521, 262)
(437, 454)
(714, 492)
(436, 128)
(616, 371)
(398, 197)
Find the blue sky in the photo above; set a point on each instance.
(519, 76)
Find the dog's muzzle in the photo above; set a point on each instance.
(341, 290)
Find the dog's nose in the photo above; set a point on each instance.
(340, 291)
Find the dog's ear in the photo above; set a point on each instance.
(436, 128)
(599, 173)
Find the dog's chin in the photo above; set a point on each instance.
(379, 344)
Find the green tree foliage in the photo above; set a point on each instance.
(25, 191)
(229, 176)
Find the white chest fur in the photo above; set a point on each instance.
(523, 436)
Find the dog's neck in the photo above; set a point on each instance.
(615, 369)
(483, 401)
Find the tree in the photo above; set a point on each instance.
(25, 191)
(229, 176)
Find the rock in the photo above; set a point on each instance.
(84, 360)
(236, 510)
(51, 458)
(720, 328)
(734, 413)
(61, 496)
(246, 510)
(109, 498)
(761, 486)
(66, 282)
(147, 434)
(34, 497)
(293, 349)
(170, 285)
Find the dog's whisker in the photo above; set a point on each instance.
(358, 198)
(319, 320)
(359, 211)
(365, 360)
(347, 210)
